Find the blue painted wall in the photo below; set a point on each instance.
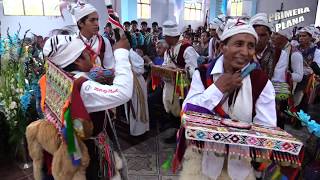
(213, 9)
(128, 10)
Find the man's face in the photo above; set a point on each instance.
(160, 49)
(91, 24)
(134, 27)
(305, 38)
(144, 27)
(154, 27)
(277, 39)
(204, 37)
(83, 62)
(127, 27)
(264, 36)
(238, 51)
(170, 40)
(212, 32)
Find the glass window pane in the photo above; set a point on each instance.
(186, 14)
(13, 7)
(33, 7)
(233, 9)
(145, 1)
(51, 8)
(198, 6)
(198, 15)
(193, 14)
(145, 11)
(139, 11)
(239, 9)
(187, 5)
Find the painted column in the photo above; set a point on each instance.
(213, 10)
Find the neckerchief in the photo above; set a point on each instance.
(92, 53)
(173, 52)
(308, 54)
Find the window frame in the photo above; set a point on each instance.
(236, 3)
(43, 7)
(142, 4)
(198, 12)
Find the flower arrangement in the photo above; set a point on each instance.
(18, 85)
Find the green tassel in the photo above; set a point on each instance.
(167, 163)
(70, 135)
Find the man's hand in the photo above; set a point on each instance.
(146, 59)
(228, 82)
(122, 43)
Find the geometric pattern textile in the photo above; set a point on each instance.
(207, 128)
(58, 90)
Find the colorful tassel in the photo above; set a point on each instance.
(69, 132)
(167, 163)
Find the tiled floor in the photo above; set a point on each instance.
(144, 154)
(144, 158)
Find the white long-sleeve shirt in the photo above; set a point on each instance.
(296, 64)
(280, 71)
(190, 56)
(209, 98)
(98, 97)
(317, 57)
(211, 49)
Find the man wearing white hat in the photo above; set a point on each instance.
(71, 56)
(222, 81)
(280, 40)
(215, 26)
(87, 19)
(273, 62)
(178, 55)
(310, 54)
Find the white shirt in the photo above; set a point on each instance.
(209, 98)
(296, 64)
(317, 57)
(210, 48)
(98, 97)
(306, 68)
(108, 59)
(279, 74)
(190, 56)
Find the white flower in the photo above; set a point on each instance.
(12, 80)
(20, 90)
(12, 87)
(14, 112)
(13, 105)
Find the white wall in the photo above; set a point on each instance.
(270, 6)
(42, 25)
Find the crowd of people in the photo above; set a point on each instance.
(288, 58)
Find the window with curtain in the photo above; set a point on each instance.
(144, 9)
(236, 8)
(31, 8)
(193, 11)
